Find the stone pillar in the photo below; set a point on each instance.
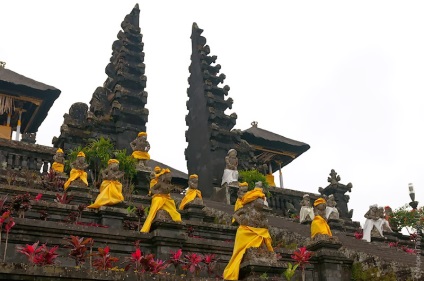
(330, 264)
(167, 236)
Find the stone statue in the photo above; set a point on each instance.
(111, 188)
(78, 176)
(290, 209)
(241, 191)
(373, 219)
(385, 224)
(141, 147)
(192, 195)
(162, 206)
(331, 211)
(230, 176)
(306, 211)
(59, 161)
(319, 227)
(253, 241)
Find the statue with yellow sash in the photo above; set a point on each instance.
(111, 188)
(193, 195)
(243, 186)
(141, 147)
(251, 234)
(154, 178)
(162, 206)
(59, 161)
(319, 225)
(78, 175)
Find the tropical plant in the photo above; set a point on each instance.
(406, 217)
(251, 177)
(104, 261)
(63, 198)
(210, 262)
(39, 255)
(302, 257)
(21, 203)
(290, 271)
(192, 263)
(175, 258)
(51, 181)
(79, 247)
(8, 221)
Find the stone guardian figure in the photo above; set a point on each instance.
(319, 226)
(78, 172)
(230, 176)
(141, 147)
(192, 195)
(306, 211)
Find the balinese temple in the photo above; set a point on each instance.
(273, 150)
(117, 109)
(24, 104)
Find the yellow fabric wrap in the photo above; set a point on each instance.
(140, 155)
(160, 202)
(246, 237)
(237, 206)
(270, 180)
(110, 194)
(252, 195)
(58, 167)
(191, 194)
(73, 175)
(320, 226)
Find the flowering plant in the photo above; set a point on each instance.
(302, 257)
(406, 217)
(192, 263)
(105, 260)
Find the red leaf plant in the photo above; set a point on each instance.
(210, 261)
(145, 263)
(8, 220)
(302, 256)
(79, 247)
(393, 244)
(359, 235)
(175, 258)
(192, 262)
(63, 198)
(38, 197)
(39, 255)
(105, 260)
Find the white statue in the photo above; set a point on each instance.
(230, 176)
(331, 211)
(306, 211)
(373, 219)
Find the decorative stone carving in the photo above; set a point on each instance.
(338, 190)
(29, 137)
(230, 176)
(374, 223)
(78, 176)
(319, 227)
(193, 196)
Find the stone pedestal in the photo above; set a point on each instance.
(330, 264)
(193, 212)
(112, 216)
(142, 182)
(167, 236)
(250, 270)
(220, 194)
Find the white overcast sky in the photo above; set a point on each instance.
(346, 77)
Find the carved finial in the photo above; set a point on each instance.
(2, 64)
(254, 124)
(333, 178)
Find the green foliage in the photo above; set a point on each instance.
(263, 276)
(251, 177)
(372, 273)
(290, 271)
(127, 163)
(406, 217)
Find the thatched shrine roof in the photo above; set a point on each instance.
(271, 147)
(35, 97)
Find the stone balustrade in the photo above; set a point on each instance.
(22, 155)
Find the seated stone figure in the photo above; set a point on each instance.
(290, 209)
(243, 186)
(141, 147)
(251, 234)
(230, 176)
(373, 219)
(161, 201)
(193, 195)
(385, 226)
(78, 174)
(59, 161)
(319, 226)
(154, 178)
(306, 211)
(111, 188)
(331, 212)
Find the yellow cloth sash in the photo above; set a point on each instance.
(252, 195)
(191, 194)
(237, 206)
(74, 175)
(320, 226)
(270, 180)
(246, 237)
(110, 194)
(160, 202)
(140, 155)
(58, 167)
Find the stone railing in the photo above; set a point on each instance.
(22, 155)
